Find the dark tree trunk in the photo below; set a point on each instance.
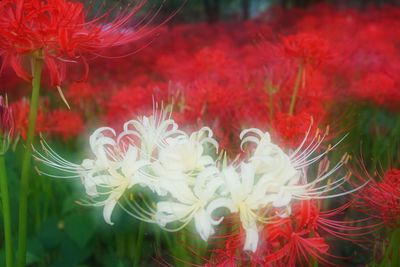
(212, 8)
(246, 9)
(285, 3)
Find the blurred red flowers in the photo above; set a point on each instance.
(60, 31)
(307, 48)
(215, 74)
(60, 123)
(381, 199)
(294, 240)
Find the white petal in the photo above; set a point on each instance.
(233, 183)
(283, 199)
(88, 164)
(172, 210)
(91, 182)
(205, 175)
(221, 203)
(128, 164)
(247, 173)
(210, 189)
(179, 189)
(108, 209)
(251, 241)
(203, 225)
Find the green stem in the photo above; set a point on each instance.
(138, 248)
(314, 262)
(299, 77)
(6, 212)
(119, 240)
(37, 64)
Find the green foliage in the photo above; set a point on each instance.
(373, 135)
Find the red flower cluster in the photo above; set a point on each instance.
(295, 240)
(308, 49)
(59, 31)
(382, 199)
(217, 78)
(60, 123)
(226, 75)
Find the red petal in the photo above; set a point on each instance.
(16, 64)
(56, 69)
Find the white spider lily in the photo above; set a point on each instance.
(250, 195)
(278, 174)
(189, 184)
(187, 154)
(107, 176)
(115, 182)
(197, 203)
(290, 171)
(268, 157)
(152, 132)
(181, 158)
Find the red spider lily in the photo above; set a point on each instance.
(291, 129)
(7, 126)
(64, 123)
(230, 252)
(299, 249)
(378, 87)
(21, 109)
(61, 123)
(308, 48)
(60, 31)
(81, 93)
(132, 100)
(382, 199)
(297, 238)
(293, 240)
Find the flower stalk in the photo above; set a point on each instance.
(5, 200)
(299, 78)
(138, 245)
(37, 63)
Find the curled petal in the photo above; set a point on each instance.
(108, 209)
(203, 223)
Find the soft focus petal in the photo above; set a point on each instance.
(251, 241)
(203, 224)
(108, 209)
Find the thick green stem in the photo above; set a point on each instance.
(37, 64)
(296, 87)
(138, 248)
(6, 213)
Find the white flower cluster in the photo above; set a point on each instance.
(189, 184)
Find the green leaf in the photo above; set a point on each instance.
(69, 204)
(31, 258)
(50, 234)
(80, 228)
(35, 251)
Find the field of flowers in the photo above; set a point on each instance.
(129, 139)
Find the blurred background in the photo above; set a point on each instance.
(223, 63)
(217, 10)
